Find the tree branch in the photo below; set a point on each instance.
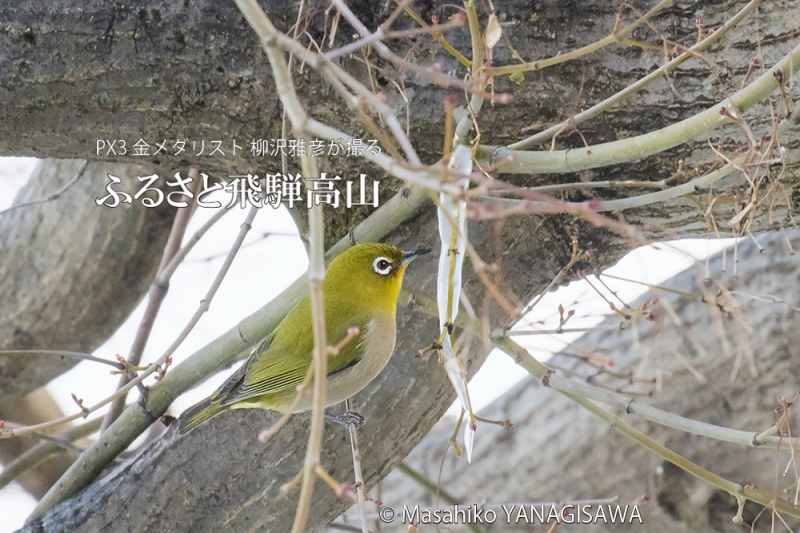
(642, 146)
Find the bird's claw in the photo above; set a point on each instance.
(347, 419)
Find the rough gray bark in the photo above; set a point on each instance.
(70, 271)
(558, 451)
(164, 70)
(150, 72)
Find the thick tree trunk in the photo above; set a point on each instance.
(166, 70)
(162, 70)
(557, 451)
(70, 271)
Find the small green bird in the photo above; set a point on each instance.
(360, 290)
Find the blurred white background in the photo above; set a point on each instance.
(265, 266)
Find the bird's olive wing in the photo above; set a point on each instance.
(283, 380)
(230, 386)
(269, 373)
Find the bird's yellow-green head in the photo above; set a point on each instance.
(371, 273)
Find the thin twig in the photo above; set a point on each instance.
(605, 184)
(56, 195)
(614, 37)
(434, 489)
(80, 356)
(316, 276)
(361, 496)
(156, 295)
(449, 48)
(424, 176)
(602, 206)
(434, 75)
(556, 331)
(429, 485)
(316, 270)
(337, 77)
(382, 33)
(177, 260)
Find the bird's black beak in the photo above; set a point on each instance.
(408, 257)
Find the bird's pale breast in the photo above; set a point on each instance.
(379, 344)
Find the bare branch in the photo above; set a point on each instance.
(156, 295)
(641, 146)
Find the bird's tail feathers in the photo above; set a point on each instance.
(198, 414)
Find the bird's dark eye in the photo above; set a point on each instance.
(382, 266)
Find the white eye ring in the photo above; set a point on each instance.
(382, 265)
